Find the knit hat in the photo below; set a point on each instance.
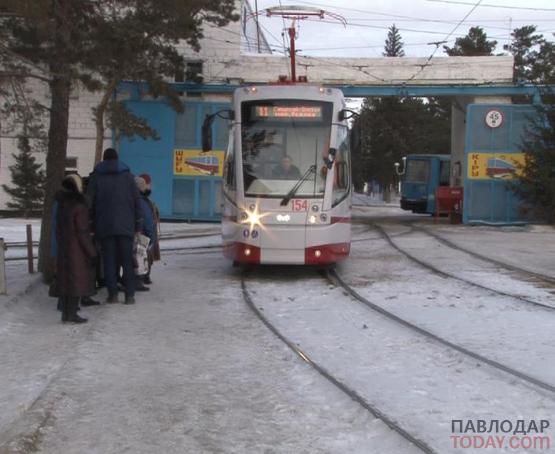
(148, 180)
(141, 184)
(110, 154)
(73, 183)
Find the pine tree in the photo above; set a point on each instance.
(474, 44)
(28, 179)
(524, 47)
(536, 185)
(393, 44)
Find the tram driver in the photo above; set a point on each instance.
(286, 170)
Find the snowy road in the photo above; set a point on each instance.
(191, 369)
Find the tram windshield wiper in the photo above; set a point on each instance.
(294, 189)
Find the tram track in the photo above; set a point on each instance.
(334, 278)
(541, 278)
(17, 245)
(266, 310)
(350, 392)
(446, 274)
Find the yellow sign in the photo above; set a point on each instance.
(498, 166)
(195, 163)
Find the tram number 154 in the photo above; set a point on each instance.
(300, 205)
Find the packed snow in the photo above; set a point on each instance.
(190, 368)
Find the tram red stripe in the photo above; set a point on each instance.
(236, 251)
(340, 219)
(326, 253)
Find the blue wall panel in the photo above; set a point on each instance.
(177, 196)
(154, 157)
(491, 199)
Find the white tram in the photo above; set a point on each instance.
(287, 176)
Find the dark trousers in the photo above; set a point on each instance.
(69, 305)
(118, 250)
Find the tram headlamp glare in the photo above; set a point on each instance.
(251, 217)
(312, 219)
(254, 218)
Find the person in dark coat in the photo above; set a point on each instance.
(75, 252)
(117, 217)
(149, 229)
(154, 250)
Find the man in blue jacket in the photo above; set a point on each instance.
(116, 216)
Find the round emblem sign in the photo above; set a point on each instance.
(494, 118)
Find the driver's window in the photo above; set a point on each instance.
(342, 174)
(229, 164)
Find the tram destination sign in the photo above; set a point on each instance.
(287, 112)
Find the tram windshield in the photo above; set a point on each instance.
(281, 141)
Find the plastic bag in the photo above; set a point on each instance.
(141, 254)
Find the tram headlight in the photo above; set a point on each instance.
(323, 217)
(251, 217)
(312, 219)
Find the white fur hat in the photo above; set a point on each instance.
(141, 184)
(74, 179)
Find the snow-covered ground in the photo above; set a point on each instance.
(190, 369)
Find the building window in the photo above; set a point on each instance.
(193, 71)
(71, 163)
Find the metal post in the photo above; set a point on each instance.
(292, 51)
(257, 25)
(3, 287)
(30, 264)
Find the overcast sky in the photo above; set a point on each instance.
(420, 22)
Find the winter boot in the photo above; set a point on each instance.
(112, 299)
(62, 307)
(88, 301)
(71, 305)
(129, 300)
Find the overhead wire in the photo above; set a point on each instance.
(429, 59)
(490, 5)
(343, 65)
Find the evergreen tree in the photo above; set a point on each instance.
(543, 68)
(474, 44)
(392, 128)
(524, 47)
(393, 44)
(27, 192)
(536, 185)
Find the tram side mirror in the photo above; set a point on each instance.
(226, 114)
(207, 132)
(346, 114)
(330, 158)
(398, 169)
